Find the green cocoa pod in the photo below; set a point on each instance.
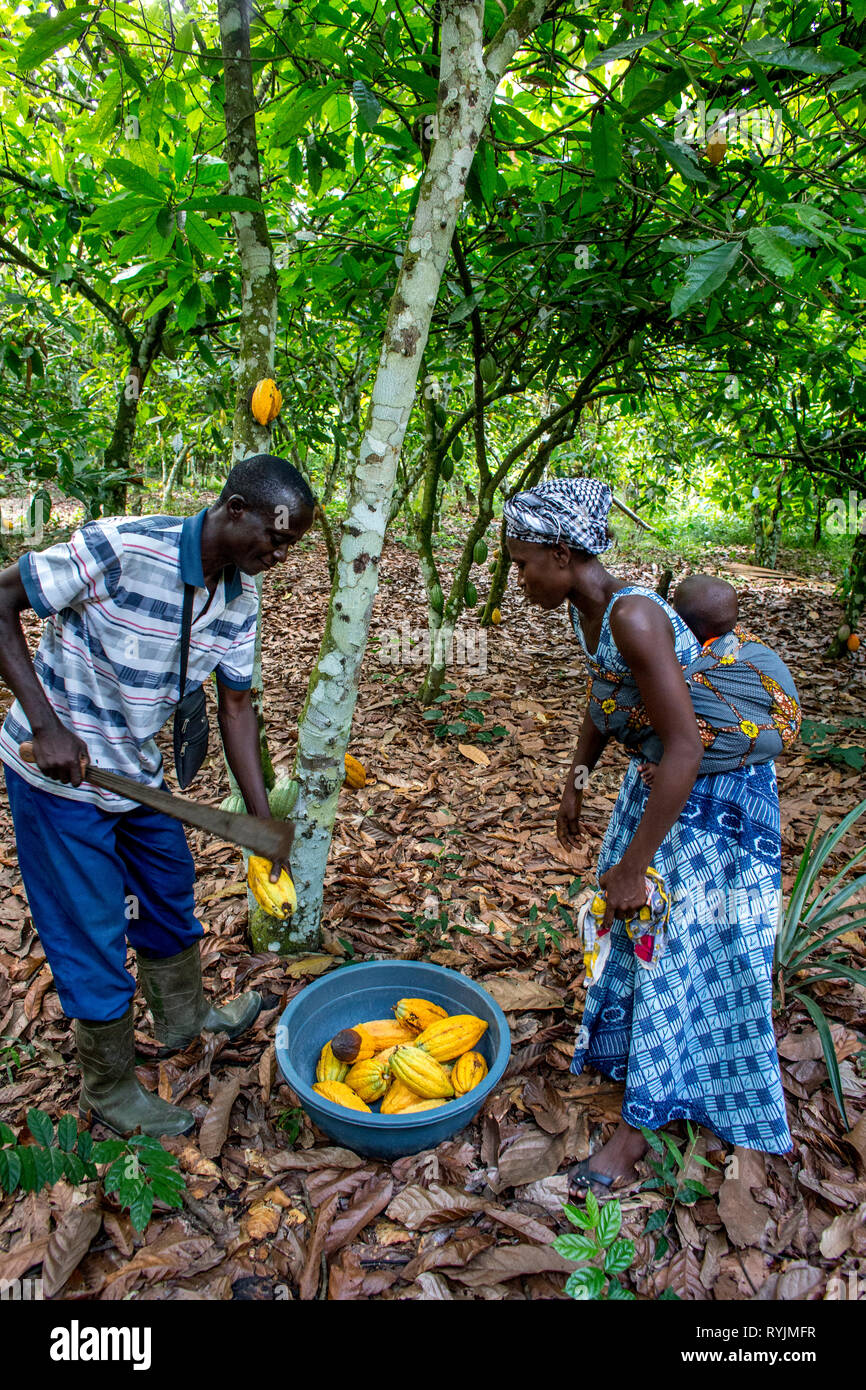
(283, 797)
(437, 601)
(470, 594)
(235, 804)
(457, 449)
(479, 554)
(488, 368)
(843, 633)
(446, 470)
(440, 415)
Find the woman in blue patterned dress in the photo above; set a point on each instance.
(692, 1037)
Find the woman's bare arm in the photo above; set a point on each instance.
(645, 639)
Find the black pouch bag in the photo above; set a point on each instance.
(191, 728)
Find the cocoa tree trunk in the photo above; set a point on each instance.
(467, 81)
(118, 455)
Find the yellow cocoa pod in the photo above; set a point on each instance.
(421, 1073)
(267, 401)
(385, 1054)
(419, 1013)
(397, 1098)
(468, 1071)
(355, 774)
(496, 617)
(328, 1068)
(366, 1039)
(278, 899)
(422, 1105)
(449, 1037)
(339, 1093)
(369, 1079)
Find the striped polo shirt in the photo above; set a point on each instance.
(109, 656)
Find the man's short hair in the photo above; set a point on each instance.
(264, 481)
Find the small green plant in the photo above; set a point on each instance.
(290, 1122)
(817, 739)
(668, 1177)
(138, 1170)
(809, 922)
(596, 1248)
(463, 719)
(429, 931)
(13, 1053)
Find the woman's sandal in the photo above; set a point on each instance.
(583, 1178)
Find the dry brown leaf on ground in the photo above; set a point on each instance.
(744, 1219)
(546, 1105)
(68, 1243)
(533, 1155)
(683, 1275)
(308, 1284)
(856, 1137)
(839, 1235)
(215, 1125)
(365, 1206)
(432, 1287)
(510, 1262)
(515, 993)
(525, 1226)
(16, 1262)
(422, 1207)
(349, 1280)
(171, 1253)
(309, 965)
(454, 1254)
(807, 1045)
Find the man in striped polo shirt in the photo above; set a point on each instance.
(98, 868)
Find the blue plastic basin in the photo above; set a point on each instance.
(357, 992)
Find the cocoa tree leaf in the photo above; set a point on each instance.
(68, 1243)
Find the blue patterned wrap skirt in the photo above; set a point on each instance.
(692, 1037)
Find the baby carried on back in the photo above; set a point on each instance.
(744, 696)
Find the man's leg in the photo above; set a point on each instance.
(162, 926)
(74, 882)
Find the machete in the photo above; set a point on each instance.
(262, 834)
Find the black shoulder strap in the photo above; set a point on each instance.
(185, 632)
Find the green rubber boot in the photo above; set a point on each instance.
(173, 989)
(109, 1087)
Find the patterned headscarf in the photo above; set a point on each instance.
(573, 510)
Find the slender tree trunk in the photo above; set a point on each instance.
(466, 88)
(255, 252)
(258, 326)
(119, 452)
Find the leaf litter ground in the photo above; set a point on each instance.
(449, 854)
